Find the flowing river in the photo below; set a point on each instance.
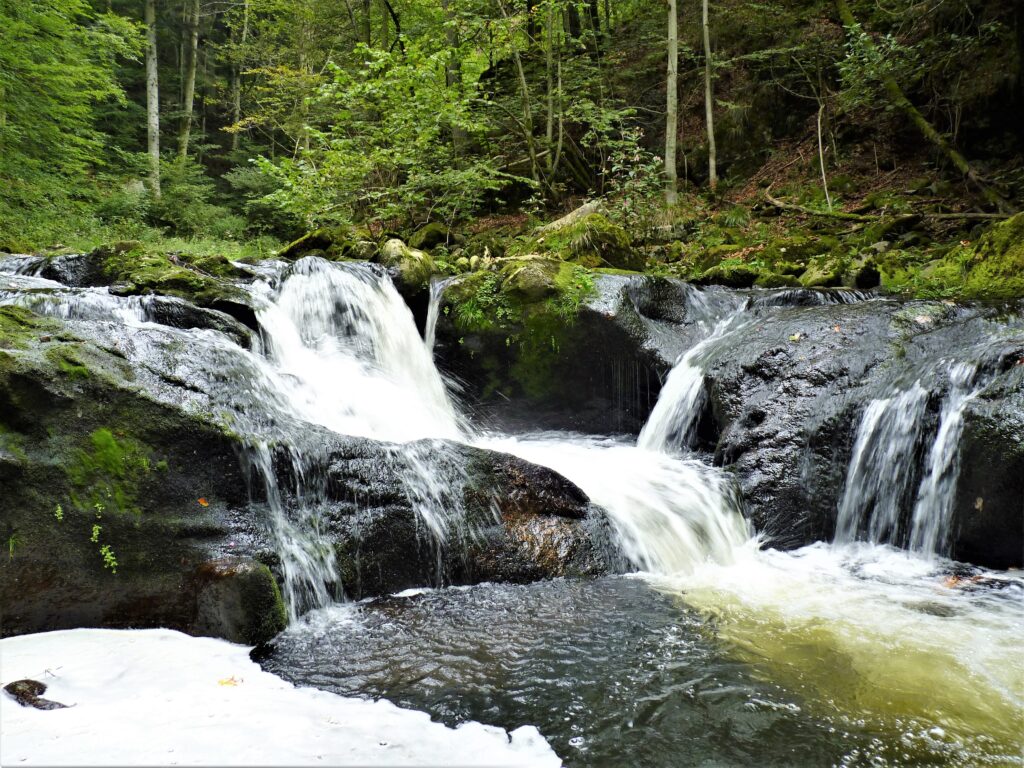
(715, 652)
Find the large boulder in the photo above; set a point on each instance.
(541, 343)
(125, 502)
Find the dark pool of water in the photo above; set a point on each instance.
(610, 671)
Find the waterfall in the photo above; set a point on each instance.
(881, 466)
(668, 515)
(885, 460)
(936, 496)
(438, 285)
(673, 423)
(349, 344)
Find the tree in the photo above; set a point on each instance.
(152, 99)
(672, 106)
(191, 41)
(862, 41)
(709, 99)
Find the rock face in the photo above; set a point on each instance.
(124, 501)
(539, 345)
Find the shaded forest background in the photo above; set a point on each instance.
(262, 119)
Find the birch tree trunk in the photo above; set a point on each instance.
(152, 100)
(709, 100)
(236, 80)
(189, 92)
(672, 105)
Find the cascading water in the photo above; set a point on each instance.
(881, 467)
(673, 423)
(930, 525)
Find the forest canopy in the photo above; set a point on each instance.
(239, 119)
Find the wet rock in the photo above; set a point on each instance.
(410, 268)
(988, 511)
(239, 600)
(29, 693)
(549, 352)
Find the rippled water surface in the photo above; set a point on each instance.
(612, 671)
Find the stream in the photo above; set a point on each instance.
(714, 651)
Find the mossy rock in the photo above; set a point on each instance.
(775, 280)
(995, 266)
(331, 243)
(239, 600)
(823, 272)
(411, 267)
(732, 274)
(433, 234)
(592, 241)
(139, 271)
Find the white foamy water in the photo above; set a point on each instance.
(158, 697)
(349, 343)
(930, 531)
(868, 632)
(673, 423)
(882, 466)
(668, 514)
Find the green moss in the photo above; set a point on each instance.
(262, 605)
(108, 472)
(141, 271)
(995, 266)
(591, 242)
(67, 362)
(333, 243)
(20, 327)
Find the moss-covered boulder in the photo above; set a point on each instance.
(994, 266)
(332, 243)
(591, 241)
(411, 269)
(431, 235)
(824, 272)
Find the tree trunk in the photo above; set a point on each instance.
(152, 100)
(189, 92)
(574, 26)
(902, 103)
(672, 105)
(453, 69)
(709, 100)
(594, 17)
(366, 30)
(236, 80)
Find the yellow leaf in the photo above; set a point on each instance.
(203, 503)
(231, 681)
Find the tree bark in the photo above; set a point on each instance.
(236, 79)
(672, 105)
(366, 30)
(899, 100)
(709, 100)
(453, 69)
(152, 100)
(189, 92)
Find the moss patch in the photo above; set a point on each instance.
(591, 242)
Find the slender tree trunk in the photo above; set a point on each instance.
(524, 91)
(236, 80)
(709, 100)
(594, 17)
(672, 105)
(899, 100)
(152, 100)
(366, 31)
(821, 155)
(453, 69)
(189, 92)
